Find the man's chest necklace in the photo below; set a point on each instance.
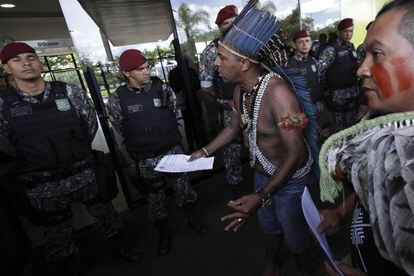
(251, 102)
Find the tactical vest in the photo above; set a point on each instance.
(48, 136)
(223, 91)
(342, 72)
(149, 127)
(309, 69)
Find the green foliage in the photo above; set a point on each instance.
(268, 6)
(290, 24)
(188, 20)
(331, 28)
(153, 55)
(207, 36)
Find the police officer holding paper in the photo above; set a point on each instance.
(144, 113)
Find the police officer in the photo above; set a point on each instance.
(143, 112)
(338, 64)
(308, 66)
(48, 127)
(212, 83)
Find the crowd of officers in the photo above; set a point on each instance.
(46, 130)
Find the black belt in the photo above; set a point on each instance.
(33, 179)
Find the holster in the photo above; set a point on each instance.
(105, 178)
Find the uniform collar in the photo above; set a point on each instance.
(26, 97)
(342, 42)
(144, 88)
(299, 57)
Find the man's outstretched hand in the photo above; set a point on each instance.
(244, 207)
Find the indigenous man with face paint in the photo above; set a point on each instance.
(270, 114)
(212, 83)
(338, 64)
(143, 112)
(308, 67)
(48, 128)
(376, 155)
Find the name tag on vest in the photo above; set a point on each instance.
(157, 102)
(62, 104)
(343, 53)
(135, 108)
(21, 111)
(313, 66)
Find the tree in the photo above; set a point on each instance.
(290, 24)
(268, 6)
(188, 20)
(331, 28)
(207, 36)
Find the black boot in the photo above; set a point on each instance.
(121, 249)
(196, 225)
(164, 243)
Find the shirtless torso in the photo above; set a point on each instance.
(274, 142)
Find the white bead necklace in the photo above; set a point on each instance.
(255, 152)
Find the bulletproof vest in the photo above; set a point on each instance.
(342, 72)
(149, 125)
(49, 135)
(309, 69)
(223, 91)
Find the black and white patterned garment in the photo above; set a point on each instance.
(231, 156)
(339, 97)
(157, 183)
(207, 69)
(364, 253)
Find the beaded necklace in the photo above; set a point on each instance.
(254, 150)
(247, 115)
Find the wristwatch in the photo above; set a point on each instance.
(264, 196)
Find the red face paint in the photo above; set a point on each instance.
(383, 79)
(402, 73)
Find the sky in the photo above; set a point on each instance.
(87, 40)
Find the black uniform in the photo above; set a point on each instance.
(52, 135)
(308, 67)
(146, 119)
(338, 65)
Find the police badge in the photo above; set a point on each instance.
(62, 104)
(157, 102)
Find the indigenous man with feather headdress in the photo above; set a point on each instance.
(275, 112)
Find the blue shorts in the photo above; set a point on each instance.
(284, 215)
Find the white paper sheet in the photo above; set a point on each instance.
(176, 163)
(313, 219)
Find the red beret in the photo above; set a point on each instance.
(13, 49)
(131, 59)
(226, 13)
(300, 34)
(345, 23)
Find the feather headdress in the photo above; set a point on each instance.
(256, 35)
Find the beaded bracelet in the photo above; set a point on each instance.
(205, 151)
